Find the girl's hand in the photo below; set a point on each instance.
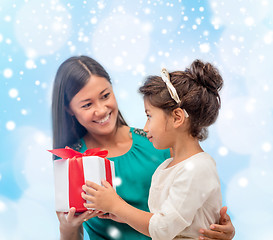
(102, 198)
(71, 224)
(224, 231)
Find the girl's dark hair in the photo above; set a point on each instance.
(198, 89)
(71, 77)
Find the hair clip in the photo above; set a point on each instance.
(166, 78)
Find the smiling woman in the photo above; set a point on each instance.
(82, 96)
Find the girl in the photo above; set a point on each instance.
(185, 192)
(85, 115)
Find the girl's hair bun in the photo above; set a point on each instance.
(206, 75)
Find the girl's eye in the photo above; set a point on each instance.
(148, 116)
(105, 95)
(87, 105)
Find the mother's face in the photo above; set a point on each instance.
(95, 106)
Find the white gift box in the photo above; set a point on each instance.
(71, 173)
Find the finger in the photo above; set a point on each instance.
(209, 234)
(100, 212)
(88, 190)
(219, 228)
(205, 238)
(89, 205)
(224, 217)
(92, 185)
(97, 213)
(87, 197)
(104, 216)
(61, 216)
(106, 184)
(71, 214)
(87, 215)
(223, 211)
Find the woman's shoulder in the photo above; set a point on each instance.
(139, 131)
(142, 143)
(77, 146)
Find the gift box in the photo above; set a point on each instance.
(72, 171)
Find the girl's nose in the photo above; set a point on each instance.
(145, 129)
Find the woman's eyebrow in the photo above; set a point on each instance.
(103, 90)
(85, 100)
(89, 99)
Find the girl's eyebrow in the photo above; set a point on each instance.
(88, 99)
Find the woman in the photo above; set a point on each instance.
(85, 115)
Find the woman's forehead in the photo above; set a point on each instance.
(94, 87)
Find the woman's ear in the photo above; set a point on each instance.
(67, 109)
(178, 117)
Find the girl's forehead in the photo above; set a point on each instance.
(149, 107)
(147, 103)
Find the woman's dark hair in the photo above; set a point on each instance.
(71, 77)
(198, 89)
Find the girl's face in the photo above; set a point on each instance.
(157, 126)
(95, 106)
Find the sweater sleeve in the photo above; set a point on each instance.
(192, 186)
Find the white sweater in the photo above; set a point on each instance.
(184, 198)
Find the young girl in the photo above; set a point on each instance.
(185, 191)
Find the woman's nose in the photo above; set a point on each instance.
(100, 109)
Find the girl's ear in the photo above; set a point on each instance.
(178, 117)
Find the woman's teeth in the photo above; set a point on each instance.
(104, 119)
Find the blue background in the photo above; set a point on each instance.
(132, 39)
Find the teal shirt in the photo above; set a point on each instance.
(135, 169)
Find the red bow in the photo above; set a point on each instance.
(68, 152)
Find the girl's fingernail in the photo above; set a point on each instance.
(212, 227)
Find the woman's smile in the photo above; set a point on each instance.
(104, 120)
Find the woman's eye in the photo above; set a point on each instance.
(106, 95)
(87, 105)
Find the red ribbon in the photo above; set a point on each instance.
(76, 173)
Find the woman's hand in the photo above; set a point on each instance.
(103, 198)
(111, 216)
(224, 231)
(71, 224)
